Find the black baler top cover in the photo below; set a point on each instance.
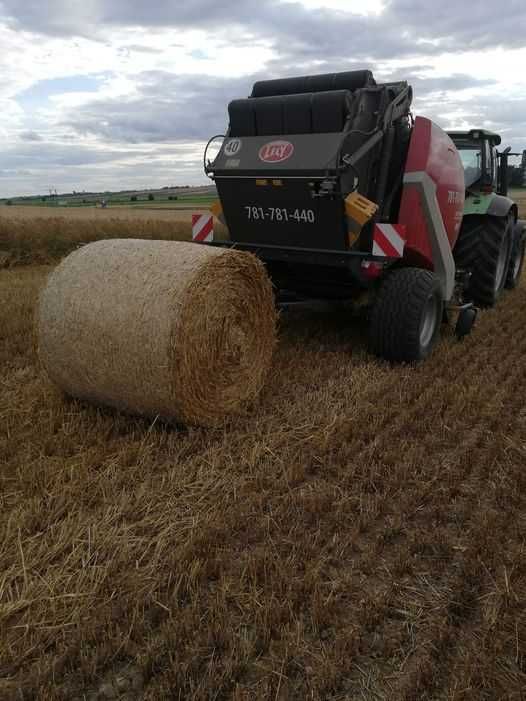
(347, 80)
(301, 113)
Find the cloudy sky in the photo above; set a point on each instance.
(123, 94)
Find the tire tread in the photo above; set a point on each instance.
(477, 250)
(395, 319)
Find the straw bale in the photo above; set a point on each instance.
(170, 329)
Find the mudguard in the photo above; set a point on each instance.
(500, 206)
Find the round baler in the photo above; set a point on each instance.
(340, 191)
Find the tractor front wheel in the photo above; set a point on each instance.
(406, 316)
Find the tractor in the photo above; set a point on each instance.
(492, 240)
(331, 181)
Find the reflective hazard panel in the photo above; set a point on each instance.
(389, 240)
(202, 228)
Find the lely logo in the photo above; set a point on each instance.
(233, 147)
(276, 151)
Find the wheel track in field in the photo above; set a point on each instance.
(394, 599)
(457, 477)
(426, 400)
(423, 404)
(455, 628)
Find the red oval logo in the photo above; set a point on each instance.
(276, 151)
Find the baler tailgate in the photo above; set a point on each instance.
(282, 212)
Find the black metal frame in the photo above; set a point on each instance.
(323, 256)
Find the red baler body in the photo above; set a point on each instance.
(431, 151)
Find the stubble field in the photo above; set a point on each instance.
(361, 535)
(43, 234)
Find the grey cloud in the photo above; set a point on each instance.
(294, 30)
(142, 49)
(44, 155)
(158, 168)
(15, 173)
(508, 118)
(463, 25)
(444, 89)
(424, 86)
(169, 108)
(30, 136)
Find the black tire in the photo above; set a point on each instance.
(517, 257)
(483, 248)
(406, 316)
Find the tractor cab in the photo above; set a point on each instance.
(478, 153)
(485, 168)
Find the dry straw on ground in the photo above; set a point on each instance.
(360, 536)
(26, 239)
(175, 330)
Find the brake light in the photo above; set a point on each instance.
(372, 269)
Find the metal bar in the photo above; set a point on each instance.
(364, 148)
(296, 249)
(383, 170)
(271, 176)
(459, 307)
(397, 108)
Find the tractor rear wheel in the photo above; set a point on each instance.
(484, 248)
(406, 316)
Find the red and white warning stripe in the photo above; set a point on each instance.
(202, 228)
(389, 240)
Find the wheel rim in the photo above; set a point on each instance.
(517, 263)
(501, 263)
(429, 322)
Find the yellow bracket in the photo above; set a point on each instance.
(217, 210)
(359, 208)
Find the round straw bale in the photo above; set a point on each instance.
(170, 329)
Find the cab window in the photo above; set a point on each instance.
(471, 157)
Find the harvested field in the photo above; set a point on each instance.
(19, 212)
(26, 239)
(44, 234)
(360, 536)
